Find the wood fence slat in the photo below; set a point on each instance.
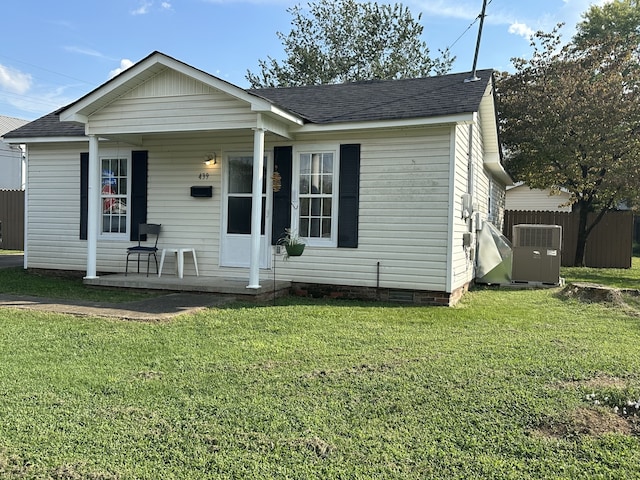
(610, 244)
(12, 219)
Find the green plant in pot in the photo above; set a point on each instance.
(292, 243)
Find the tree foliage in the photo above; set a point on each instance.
(337, 41)
(620, 17)
(570, 119)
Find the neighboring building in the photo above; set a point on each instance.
(387, 181)
(521, 197)
(11, 157)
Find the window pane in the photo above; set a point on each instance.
(326, 207)
(240, 174)
(327, 163)
(305, 207)
(239, 215)
(305, 164)
(315, 194)
(327, 184)
(326, 228)
(114, 195)
(304, 227)
(314, 230)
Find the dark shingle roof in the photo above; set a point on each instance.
(382, 99)
(349, 102)
(47, 126)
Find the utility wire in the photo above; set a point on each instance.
(450, 47)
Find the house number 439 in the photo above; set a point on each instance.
(203, 176)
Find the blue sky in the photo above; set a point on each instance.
(53, 52)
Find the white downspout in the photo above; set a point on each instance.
(25, 243)
(256, 204)
(93, 207)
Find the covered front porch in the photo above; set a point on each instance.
(150, 156)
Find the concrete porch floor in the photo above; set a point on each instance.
(226, 286)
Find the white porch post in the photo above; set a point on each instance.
(93, 206)
(256, 206)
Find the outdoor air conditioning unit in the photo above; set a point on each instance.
(536, 253)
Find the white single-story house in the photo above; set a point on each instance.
(11, 156)
(387, 182)
(523, 198)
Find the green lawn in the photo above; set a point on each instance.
(508, 384)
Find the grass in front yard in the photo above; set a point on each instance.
(614, 277)
(509, 384)
(17, 281)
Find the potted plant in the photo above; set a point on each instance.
(292, 243)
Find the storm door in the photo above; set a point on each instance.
(236, 218)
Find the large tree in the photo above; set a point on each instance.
(336, 41)
(620, 17)
(570, 119)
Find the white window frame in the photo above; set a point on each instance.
(116, 235)
(295, 192)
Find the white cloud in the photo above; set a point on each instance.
(166, 6)
(84, 51)
(521, 29)
(124, 64)
(143, 9)
(14, 80)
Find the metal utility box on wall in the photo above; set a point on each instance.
(536, 253)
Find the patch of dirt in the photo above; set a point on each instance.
(586, 421)
(12, 466)
(626, 299)
(318, 446)
(78, 472)
(592, 292)
(601, 381)
(149, 375)
(606, 412)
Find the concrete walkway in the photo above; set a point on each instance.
(159, 308)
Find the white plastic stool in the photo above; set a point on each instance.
(179, 259)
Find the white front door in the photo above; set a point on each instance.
(235, 248)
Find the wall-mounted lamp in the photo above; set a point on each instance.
(211, 159)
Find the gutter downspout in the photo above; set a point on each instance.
(25, 246)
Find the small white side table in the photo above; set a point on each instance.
(179, 252)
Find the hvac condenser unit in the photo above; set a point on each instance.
(536, 253)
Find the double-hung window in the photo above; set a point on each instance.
(114, 195)
(317, 197)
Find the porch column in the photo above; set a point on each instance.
(93, 206)
(256, 206)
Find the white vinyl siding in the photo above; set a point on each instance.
(403, 214)
(172, 102)
(404, 198)
(524, 198)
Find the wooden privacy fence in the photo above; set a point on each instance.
(609, 245)
(12, 219)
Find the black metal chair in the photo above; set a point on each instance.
(150, 230)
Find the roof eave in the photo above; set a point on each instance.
(459, 118)
(31, 140)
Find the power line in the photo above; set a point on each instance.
(450, 47)
(45, 69)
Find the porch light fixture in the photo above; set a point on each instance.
(211, 159)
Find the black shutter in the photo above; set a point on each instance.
(349, 194)
(84, 194)
(282, 165)
(139, 161)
